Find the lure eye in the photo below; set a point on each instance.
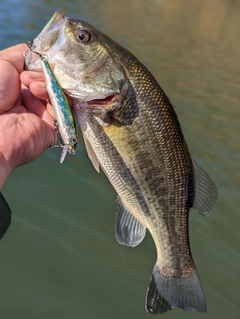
(84, 36)
(73, 140)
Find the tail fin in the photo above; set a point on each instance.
(165, 293)
(155, 303)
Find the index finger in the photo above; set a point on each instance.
(14, 55)
(11, 65)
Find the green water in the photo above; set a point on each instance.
(60, 258)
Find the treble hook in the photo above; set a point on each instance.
(31, 49)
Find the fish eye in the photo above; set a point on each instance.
(84, 36)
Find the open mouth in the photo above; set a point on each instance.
(101, 102)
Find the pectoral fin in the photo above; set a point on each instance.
(205, 191)
(91, 154)
(129, 231)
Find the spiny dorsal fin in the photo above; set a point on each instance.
(129, 231)
(205, 191)
(91, 154)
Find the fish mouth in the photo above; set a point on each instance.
(104, 102)
(109, 102)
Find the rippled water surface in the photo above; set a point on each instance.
(60, 258)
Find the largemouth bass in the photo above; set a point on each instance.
(132, 132)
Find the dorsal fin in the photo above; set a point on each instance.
(91, 153)
(205, 191)
(129, 231)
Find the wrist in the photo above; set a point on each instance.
(5, 170)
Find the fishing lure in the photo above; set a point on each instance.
(64, 121)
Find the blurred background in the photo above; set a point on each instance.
(60, 258)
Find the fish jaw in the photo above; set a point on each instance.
(86, 72)
(45, 43)
(103, 104)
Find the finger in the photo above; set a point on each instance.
(36, 106)
(11, 64)
(39, 90)
(9, 86)
(36, 82)
(14, 55)
(49, 108)
(40, 94)
(27, 77)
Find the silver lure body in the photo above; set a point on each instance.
(65, 122)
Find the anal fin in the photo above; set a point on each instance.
(129, 231)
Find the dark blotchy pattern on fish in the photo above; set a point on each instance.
(168, 166)
(143, 143)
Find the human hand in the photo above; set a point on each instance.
(26, 127)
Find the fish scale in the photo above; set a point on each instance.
(132, 132)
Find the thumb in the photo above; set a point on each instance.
(11, 64)
(9, 86)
